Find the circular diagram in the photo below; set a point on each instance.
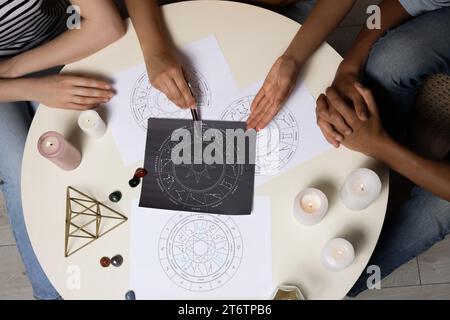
(148, 102)
(200, 252)
(277, 144)
(196, 186)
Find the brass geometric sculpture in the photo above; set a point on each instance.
(87, 220)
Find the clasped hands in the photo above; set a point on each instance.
(351, 118)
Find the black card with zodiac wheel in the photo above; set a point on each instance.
(206, 166)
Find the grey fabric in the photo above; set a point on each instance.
(417, 7)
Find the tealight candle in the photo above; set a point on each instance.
(92, 124)
(57, 149)
(361, 189)
(310, 206)
(338, 254)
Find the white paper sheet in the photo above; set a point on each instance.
(185, 255)
(136, 100)
(292, 138)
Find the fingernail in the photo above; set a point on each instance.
(359, 85)
(338, 138)
(348, 132)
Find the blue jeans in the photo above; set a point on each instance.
(15, 120)
(400, 62)
(398, 65)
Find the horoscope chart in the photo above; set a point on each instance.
(200, 252)
(277, 144)
(148, 102)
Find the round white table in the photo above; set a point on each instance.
(251, 39)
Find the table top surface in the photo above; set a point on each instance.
(251, 39)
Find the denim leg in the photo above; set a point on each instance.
(420, 222)
(402, 59)
(15, 120)
(298, 11)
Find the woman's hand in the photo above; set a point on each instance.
(343, 86)
(166, 75)
(69, 92)
(276, 89)
(365, 136)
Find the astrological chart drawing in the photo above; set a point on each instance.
(283, 128)
(225, 186)
(196, 185)
(200, 252)
(148, 102)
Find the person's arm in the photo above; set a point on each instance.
(101, 25)
(164, 70)
(431, 175)
(370, 138)
(58, 91)
(323, 20)
(392, 14)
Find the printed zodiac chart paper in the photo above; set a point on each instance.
(136, 101)
(291, 138)
(224, 187)
(185, 255)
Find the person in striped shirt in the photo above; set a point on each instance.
(34, 41)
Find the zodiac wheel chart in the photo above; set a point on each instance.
(196, 186)
(200, 252)
(148, 102)
(280, 138)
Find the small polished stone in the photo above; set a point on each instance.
(117, 260)
(134, 182)
(130, 295)
(105, 262)
(140, 173)
(116, 196)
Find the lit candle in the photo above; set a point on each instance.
(310, 206)
(92, 124)
(338, 254)
(57, 149)
(361, 189)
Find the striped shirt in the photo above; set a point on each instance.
(25, 24)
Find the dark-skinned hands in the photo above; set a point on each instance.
(340, 123)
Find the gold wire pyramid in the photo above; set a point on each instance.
(87, 220)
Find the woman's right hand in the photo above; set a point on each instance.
(70, 92)
(166, 74)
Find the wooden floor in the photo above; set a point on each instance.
(426, 277)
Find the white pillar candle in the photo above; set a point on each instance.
(310, 206)
(361, 189)
(92, 124)
(338, 254)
